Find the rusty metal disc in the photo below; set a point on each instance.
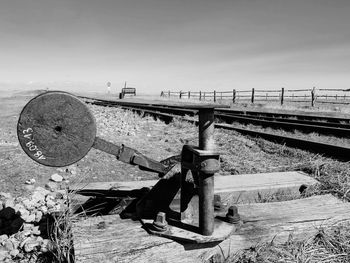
(56, 129)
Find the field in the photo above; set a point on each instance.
(239, 155)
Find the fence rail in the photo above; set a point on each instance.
(333, 96)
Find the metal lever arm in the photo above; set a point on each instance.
(131, 156)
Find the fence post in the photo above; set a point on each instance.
(204, 95)
(189, 94)
(180, 94)
(162, 94)
(233, 96)
(253, 95)
(200, 95)
(214, 96)
(282, 96)
(169, 93)
(313, 91)
(221, 95)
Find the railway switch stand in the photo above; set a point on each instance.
(57, 129)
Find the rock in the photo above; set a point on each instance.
(3, 238)
(30, 181)
(50, 203)
(30, 218)
(20, 256)
(38, 216)
(38, 196)
(61, 170)
(28, 204)
(24, 213)
(24, 241)
(56, 178)
(7, 213)
(4, 254)
(25, 234)
(14, 253)
(73, 172)
(51, 186)
(30, 245)
(10, 202)
(35, 231)
(49, 197)
(8, 245)
(14, 241)
(27, 226)
(41, 190)
(43, 209)
(46, 245)
(5, 196)
(18, 207)
(59, 195)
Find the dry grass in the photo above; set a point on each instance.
(330, 244)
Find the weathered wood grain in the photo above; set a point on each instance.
(111, 239)
(242, 188)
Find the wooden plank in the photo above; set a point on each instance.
(243, 188)
(111, 239)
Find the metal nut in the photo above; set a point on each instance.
(218, 206)
(160, 224)
(232, 215)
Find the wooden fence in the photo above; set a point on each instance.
(334, 96)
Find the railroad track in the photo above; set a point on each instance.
(306, 123)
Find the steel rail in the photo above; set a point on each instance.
(317, 123)
(326, 128)
(305, 116)
(334, 151)
(321, 129)
(330, 150)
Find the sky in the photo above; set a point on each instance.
(175, 45)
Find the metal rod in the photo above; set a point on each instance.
(206, 182)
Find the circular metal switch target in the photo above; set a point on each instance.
(56, 129)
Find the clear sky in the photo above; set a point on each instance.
(176, 44)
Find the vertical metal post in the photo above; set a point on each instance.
(252, 95)
(234, 96)
(282, 96)
(169, 93)
(180, 94)
(200, 95)
(214, 96)
(206, 182)
(189, 94)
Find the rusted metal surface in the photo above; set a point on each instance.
(131, 156)
(56, 129)
(160, 224)
(218, 205)
(232, 215)
(206, 180)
